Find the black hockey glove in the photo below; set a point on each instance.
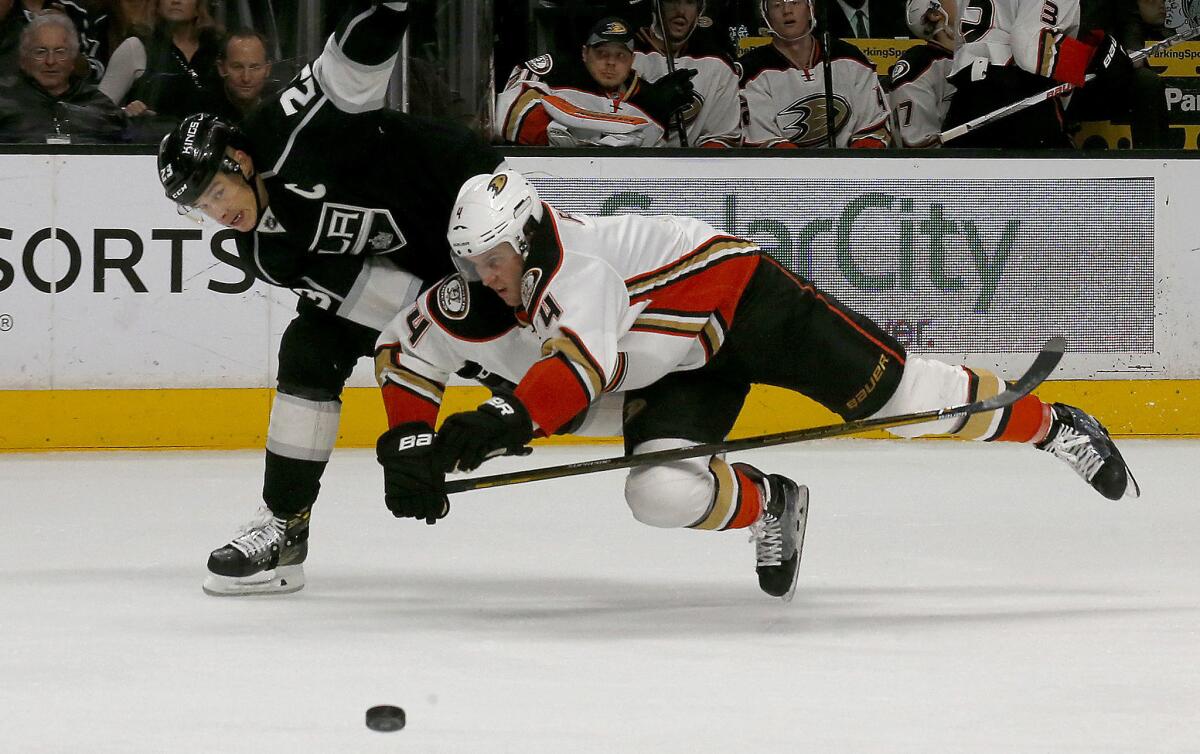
(1110, 64)
(412, 486)
(663, 98)
(499, 427)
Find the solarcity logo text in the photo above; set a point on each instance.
(924, 240)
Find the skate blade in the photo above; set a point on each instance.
(1132, 488)
(282, 580)
(801, 526)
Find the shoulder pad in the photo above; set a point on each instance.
(541, 65)
(543, 261)
(912, 64)
(755, 61)
(469, 310)
(843, 49)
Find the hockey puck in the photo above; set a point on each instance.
(385, 718)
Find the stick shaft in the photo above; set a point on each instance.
(1057, 91)
(670, 56)
(1041, 368)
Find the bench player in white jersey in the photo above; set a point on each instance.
(600, 100)
(681, 319)
(920, 92)
(714, 119)
(1011, 49)
(783, 87)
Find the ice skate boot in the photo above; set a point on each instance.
(1084, 444)
(779, 536)
(266, 557)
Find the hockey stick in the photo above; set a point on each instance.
(1041, 368)
(662, 24)
(1185, 34)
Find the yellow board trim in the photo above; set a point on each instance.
(237, 418)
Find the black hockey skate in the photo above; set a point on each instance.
(266, 557)
(779, 536)
(1084, 444)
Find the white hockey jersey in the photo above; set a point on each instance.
(1025, 33)
(920, 95)
(547, 103)
(785, 106)
(715, 118)
(608, 304)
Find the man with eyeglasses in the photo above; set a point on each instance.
(46, 101)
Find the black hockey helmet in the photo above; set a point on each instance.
(191, 155)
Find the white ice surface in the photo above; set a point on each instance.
(953, 598)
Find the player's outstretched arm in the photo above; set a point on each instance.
(356, 65)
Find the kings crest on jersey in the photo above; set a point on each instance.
(348, 177)
(787, 106)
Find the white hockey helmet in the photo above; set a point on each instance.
(916, 11)
(763, 6)
(490, 209)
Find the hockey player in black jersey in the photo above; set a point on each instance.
(346, 203)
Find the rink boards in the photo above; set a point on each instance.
(123, 324)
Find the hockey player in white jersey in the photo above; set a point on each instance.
(681, 319)
(783, 87)
(599, 100)
(1011, 49)
(920, 92)
(714, 119)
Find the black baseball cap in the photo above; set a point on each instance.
(611, 29)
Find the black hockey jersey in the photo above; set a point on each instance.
(348, 180)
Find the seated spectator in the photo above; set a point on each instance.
(48, 101)
(169, 71)
(713, 119)
(245, 69)
(920, 93)
(603, 102)
(1019, 50)
(783, 87)
(114, 21)
(864, 19)
(26, 10)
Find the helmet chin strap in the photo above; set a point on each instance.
(248, 179)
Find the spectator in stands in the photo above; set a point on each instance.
(89, 63)
(596, 100)
(114, 21)
(169, 71)
(920, 92)
(1138, 99)
(783, 87)
(864, 19)
(713, 118)
(245, 69)
(47, 101)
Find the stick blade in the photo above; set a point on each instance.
(1043, 365)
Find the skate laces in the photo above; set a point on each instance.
(260, 534)
(767, 536)
(1077, 449)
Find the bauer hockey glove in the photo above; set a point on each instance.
(412, 486)
(1110, 62)
(499, 427)
(663, 98)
